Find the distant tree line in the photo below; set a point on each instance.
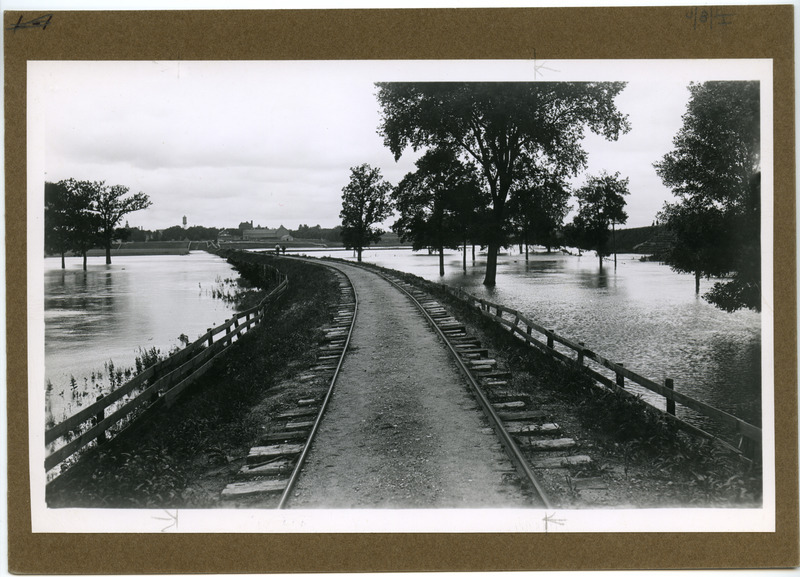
(82, 214)
(317, 233)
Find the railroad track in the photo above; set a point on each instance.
(273, 465)
(528, 435)
(530, 438)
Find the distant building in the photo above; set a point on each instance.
(267, 234)
(227, 234)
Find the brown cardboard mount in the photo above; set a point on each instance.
(509, 33)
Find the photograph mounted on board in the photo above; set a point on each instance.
(409, 289)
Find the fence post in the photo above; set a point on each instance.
(580, 353)
(670, 402)
(499, 313)
(210, 337)
(101, 438)
(620, 378)
(550, 339)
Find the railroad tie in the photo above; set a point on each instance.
(560, 462)
(548, 444)
(261, 454)
(509, 405)
(273, 468)
(522, 428)
(252, 488)
(299, 425)
(522, 415)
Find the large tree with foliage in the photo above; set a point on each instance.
(110, 204)
(601, 204)
(365, 203)
(714, 171)
(80, 214)
(538, 207)
(503, 128)
(435, 202)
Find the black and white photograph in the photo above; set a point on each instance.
(401, 296)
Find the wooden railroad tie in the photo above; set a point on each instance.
(250, 488)
(528, 429)
(549, 444)
(559, 462)
(265, 453)
(279, 467)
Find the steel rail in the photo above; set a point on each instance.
(303, 455)
(512, 450)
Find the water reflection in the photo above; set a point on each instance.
(109, 312)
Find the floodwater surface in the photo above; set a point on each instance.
(114, 312)
(642, 314)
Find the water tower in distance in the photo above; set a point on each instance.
(184, 221)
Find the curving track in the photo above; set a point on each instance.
(415, 416)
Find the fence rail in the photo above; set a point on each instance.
(749, 436)
(162, 382)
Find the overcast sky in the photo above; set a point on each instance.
(273, 142)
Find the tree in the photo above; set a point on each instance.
(538, 208)
(433, 203)
(84, 222)
(601, 203)
(110, 205)
(503, 127)
(365, 203)
(715, 172)
(57, 222)
(702, 242)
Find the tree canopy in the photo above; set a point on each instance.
(365, 203)
(435, 202)
(79, 214)
(539, 207)
(110, 204)
(601, 203)
(504, 128)
(714, 171)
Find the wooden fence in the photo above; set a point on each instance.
(160, 383)
(748, 436)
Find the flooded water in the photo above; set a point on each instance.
(110, 312)
(643, 315)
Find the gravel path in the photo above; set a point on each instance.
(402, 430)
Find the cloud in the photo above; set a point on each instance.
(272, 142)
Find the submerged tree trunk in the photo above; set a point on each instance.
(473, 253)
(108, 252)
(697, 282)
(600, 258)
(614, 241)
(358, 250)
(84, 260)
(491, 264)
(441, 261)
(465, 255)
(63, 264)
(526, 243)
